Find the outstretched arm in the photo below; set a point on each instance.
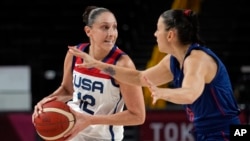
(158, 74)
(126, 75)
(196, 75)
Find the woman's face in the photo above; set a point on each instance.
(103, 33)
(161, 35)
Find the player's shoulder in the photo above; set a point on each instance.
(125, 61)
(199, 58)
(197, 55)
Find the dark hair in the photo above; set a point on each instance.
(91, 12)
(186, 23)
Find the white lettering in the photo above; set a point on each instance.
(240, 132)
(243, 131)
(156, 130)
(185, 134)
(171, 131)
(237, 132)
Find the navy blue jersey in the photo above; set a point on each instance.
(216, 107)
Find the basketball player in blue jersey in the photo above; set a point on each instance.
(96, 99)
(200, 78)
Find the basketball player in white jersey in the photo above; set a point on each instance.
(97, 100)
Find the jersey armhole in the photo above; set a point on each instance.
(79, 46)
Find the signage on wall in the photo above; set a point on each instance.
(169, 126)
(166, 126)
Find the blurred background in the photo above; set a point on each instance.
(34, 35)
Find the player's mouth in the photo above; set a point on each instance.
(109, 41)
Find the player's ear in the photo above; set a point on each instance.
(169, 35)
(87, 30)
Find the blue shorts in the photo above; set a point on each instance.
(222, 135)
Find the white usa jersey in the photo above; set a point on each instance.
(96, 93)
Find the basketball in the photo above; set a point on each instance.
(55, 121)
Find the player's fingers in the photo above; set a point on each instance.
(71, 46)
(67, 137)
(151, 88)
(73, 113)
(76, 52)
(39, 105)
(148, 82)
(39, 108)
(72, 50)
(70, 134)
(34, 115)
(49, 99)
(154, 100)
(81, 65)
(88, 61)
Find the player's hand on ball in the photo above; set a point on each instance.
(55, 121)
(38, 109)
(82, 121)
(88, 62)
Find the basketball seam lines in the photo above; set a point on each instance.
(67, 114)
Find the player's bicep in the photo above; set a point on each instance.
(126, 62)
(194, 77)
(129, 92)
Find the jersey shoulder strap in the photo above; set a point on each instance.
(79, 46)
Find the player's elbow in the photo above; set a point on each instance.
(191, 99)
(140, 117)
(140, 120)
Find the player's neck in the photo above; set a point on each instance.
(97, 53)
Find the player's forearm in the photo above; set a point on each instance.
(125, 75)
(62, 94)
(177, 96)
(124, 118)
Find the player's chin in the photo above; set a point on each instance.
(109, 43)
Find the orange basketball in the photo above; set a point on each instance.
(55, 121)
